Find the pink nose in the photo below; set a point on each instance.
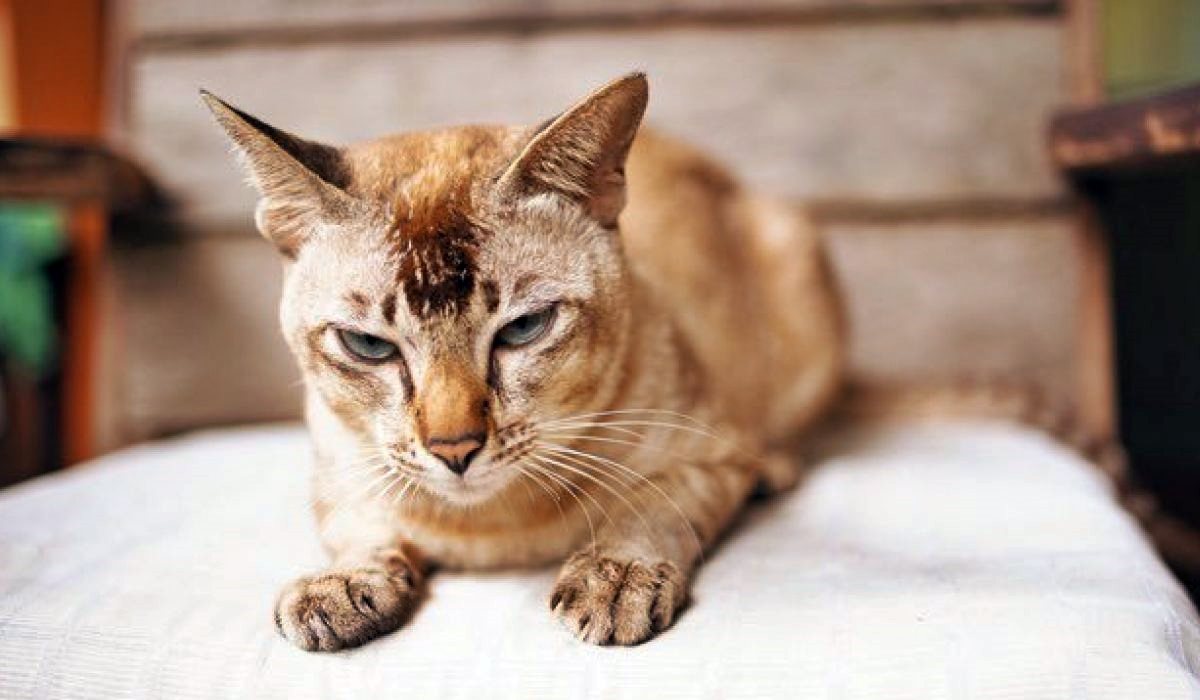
(456, 452)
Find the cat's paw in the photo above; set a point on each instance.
(343, 609)
(615, 600)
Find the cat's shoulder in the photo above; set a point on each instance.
(658, 156)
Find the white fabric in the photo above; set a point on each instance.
(957, 561)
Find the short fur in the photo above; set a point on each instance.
(695, 333)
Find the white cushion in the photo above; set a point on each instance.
(953, 561)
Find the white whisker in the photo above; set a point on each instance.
(616, 441)
(566, 485)
(633, 411)
(562, 449)
(635, 423)
(562, 464)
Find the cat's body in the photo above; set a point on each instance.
(498, 374)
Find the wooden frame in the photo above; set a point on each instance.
(58, 53)
(1096, 397)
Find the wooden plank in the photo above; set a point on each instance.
(197, 23)
(794, 110)
(951, 301)
(1128, 134)
(200, 340)
(1096, 401)
(1095, 368)
(88, 227)
(1008, 209)
(1082, 52)
(59, 60)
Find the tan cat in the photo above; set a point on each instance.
(529, 345)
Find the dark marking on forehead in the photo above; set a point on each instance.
(388, 308)
(358, 300)
(434, 244)
(491, 295)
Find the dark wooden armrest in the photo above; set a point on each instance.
(1144, 132)
(74, 172)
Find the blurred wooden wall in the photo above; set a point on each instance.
(914, 128)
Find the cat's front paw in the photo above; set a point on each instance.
(617, 600)
(342, 609)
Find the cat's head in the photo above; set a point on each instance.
(445, 289)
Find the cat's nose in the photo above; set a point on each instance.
(456, 452)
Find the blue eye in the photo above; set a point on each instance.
(523, 330)
(367, 348)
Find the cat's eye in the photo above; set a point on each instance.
(523, 330)
(367, 348)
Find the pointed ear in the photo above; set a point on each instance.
(581, 153)
(300, 182)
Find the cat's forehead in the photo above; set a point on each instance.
(433, 188)
(435, 160)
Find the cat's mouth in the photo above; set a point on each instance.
(480, 483)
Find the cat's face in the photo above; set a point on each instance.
(447, 293)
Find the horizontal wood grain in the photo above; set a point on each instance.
(890, 113)
(952, 300)
(208, 24)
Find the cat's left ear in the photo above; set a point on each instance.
(301, 182)
(581, 153)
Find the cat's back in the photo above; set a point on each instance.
(679, 222)
(745, 277)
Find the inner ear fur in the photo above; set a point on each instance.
(581, 153)
(300, 182)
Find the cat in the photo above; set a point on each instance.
(581, 342)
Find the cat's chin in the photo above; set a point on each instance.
(469, 491)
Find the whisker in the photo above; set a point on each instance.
(609, 426)
(617, 441)
(566, 486)
(411, 486)
(547, 461)
(646, 424)
(564, 465)
(525, 483)
(632, 411)
(562, 515)
(562, 449)
(346, 502)
(400, 479)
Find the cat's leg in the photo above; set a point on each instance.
(627, 586)
(372, 587)
(781, 471)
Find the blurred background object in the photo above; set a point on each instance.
(1150, 45)
(915, 130)
(62, 187)
(51, 86)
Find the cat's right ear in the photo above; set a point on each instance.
(580, 154)
(301, 183)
